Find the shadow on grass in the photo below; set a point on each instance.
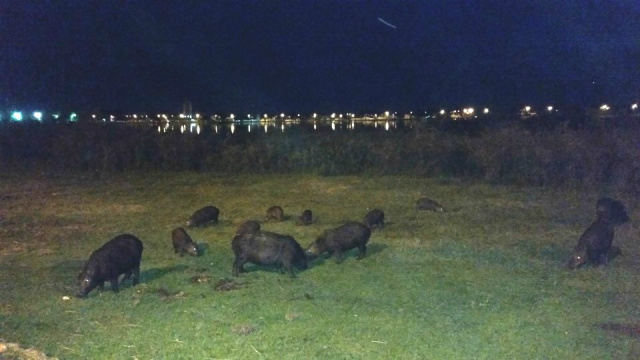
(626, 329)
(372, 249)
(150, 275)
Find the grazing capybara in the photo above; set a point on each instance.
(594, 244)
(267, 248)
(305, 218)
(275, 212)
(343, 238)
(614, 210)
(428, 204)
(248, 227)
(182, 243)
(201, 217)
(374, 219)
(120, 255)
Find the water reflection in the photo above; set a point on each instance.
(265, 127)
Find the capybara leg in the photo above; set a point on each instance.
(136, 276)
(237, 266)
(363, 251)
(114, 284)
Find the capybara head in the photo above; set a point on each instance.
(317, 247)
(85, 283)
(578, 258)
(191, 248)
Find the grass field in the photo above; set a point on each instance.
(485, 280)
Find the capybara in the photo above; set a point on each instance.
(120, 255)
(267, 248)
(305, 218)
(614, 210)
(374, 219)
(201, 217)
(594, 244)
(248, 227)
(429, 204)
(275, 212)
(343, 238)
(182, 243)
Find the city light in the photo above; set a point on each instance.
(16, 115)
(315, 115)
(604, 107)
(486, 110)
(527, 108)
(265, 116)
(549, 108)
(37, 115)
(333, 115)
(73, 117)
(634, 106)
(386, 113)
(281, 115)
(442, 112)
(56, 116)
(232, 117)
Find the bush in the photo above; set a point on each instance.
(606, 157)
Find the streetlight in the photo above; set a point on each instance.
(16, 115)
(37, 115)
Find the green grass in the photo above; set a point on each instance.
(483, 281)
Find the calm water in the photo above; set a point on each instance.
(268, 127)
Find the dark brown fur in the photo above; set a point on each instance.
(594, 244)
(120, 255)
(248, 227)
(267, 248)
(374, 219)
(305, 218)
(276, 213)
(204, 216)
(343, 238)
(430, 205)
(182, 242)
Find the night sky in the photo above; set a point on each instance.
(317, 56)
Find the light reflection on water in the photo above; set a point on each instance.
(266, 126)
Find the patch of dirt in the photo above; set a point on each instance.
(14, 351)
(243, 329)
(290, 316)
(227, 285)
(165, 294)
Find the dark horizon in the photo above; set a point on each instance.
(308, 56)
